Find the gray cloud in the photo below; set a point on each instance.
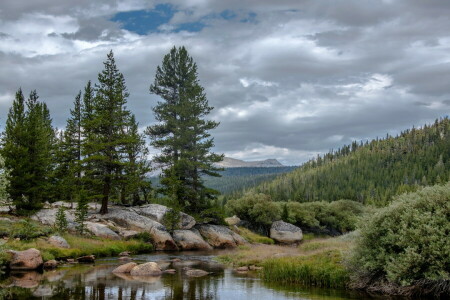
(302, 78)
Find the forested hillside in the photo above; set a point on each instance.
(370, 172)
(240, 178)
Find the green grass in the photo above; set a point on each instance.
(321, 270)
(82, 246)
(25, 229)
(254, 238)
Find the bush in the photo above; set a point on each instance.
(255, 208)
(407, 241)
(337, 217)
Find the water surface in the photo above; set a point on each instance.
(97, 282)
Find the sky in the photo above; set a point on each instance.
(287, 79)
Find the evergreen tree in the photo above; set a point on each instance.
(61, 220)
(70, 152)
(4, 182)
(28, 152)
(81, 213)
(105, 144)
(134, 180)
(182, 133)
(14, 150)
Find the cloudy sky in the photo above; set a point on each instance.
(288, 79)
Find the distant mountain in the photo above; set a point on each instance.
(229, 162)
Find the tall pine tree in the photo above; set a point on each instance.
(182, 133)
(105, 145)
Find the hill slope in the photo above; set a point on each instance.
(372, 172)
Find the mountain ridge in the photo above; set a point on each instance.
(229, 162)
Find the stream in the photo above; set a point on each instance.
(83, 281)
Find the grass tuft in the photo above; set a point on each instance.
(254, 238)
(321, 270)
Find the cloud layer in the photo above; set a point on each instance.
(287, 80)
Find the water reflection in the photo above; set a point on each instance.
(99, 283)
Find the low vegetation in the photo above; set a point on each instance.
(254, 238)
(406, 243)
(81, 246)
(323, 270)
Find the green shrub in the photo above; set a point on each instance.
(143, 236)
(61, 220)
(255, 208)
(341, 215)
(407, 241)
(322, 270)
(27, 229)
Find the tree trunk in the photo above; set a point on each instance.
(106, 189)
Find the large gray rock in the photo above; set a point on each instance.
(125, 268)
(130, 219)
(30, 259)
(220, 236)
(57, 241)
(101, 230)
(190, 240)
(48, 217)
(234, 220)
(156, 212)
(285, 233)
(147, 269)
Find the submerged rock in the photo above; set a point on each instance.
(58, 241)
(285, 233)
(86, 259)
(126, 268)
(196, 273)
(147, 269)
(30, 259)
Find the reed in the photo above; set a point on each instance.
(321, 270)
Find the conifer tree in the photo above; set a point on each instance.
(105, 146)
(182, 133)
(4, 182)
(134, 180)
(14, 149)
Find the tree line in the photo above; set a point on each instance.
(101, 155)
(370, 172)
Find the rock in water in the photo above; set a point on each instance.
(58, 241)
(50, 264)
(220, 236)
(147, 269)
(30, 259)
(126, 268)
(285, 233)
(196, 273)
(190, 240)
(86, 259)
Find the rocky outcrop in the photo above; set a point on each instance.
(89, 259)
(127, 217)
(156, 212)
(220, 236)
(190, 240)
(30, 259)
(285, 233)
(58, 241)
(126, 268)
(48, 217)
(147, 269)
(101, 230)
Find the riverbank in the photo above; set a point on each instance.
(23, 234)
